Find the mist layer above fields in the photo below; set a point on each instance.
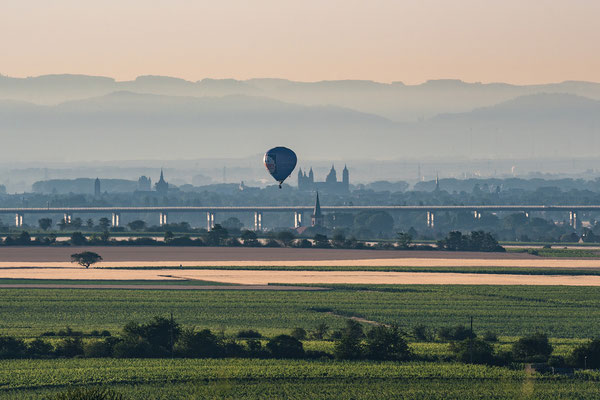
(133, 126)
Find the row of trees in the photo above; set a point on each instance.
(219, 236)
(164, 337)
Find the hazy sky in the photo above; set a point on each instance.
(518, 41)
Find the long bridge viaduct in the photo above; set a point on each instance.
(297, 211)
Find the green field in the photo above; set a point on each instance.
(267, 379)
(569, 315)
(561, 312)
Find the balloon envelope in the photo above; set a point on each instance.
(280, 162)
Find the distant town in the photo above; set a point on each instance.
(427, 210)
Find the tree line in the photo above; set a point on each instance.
(164, 337)
(219, 236)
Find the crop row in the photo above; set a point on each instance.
(506, 310)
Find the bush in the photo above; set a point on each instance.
(249, 334)
(284, 346)
(78, 239)
(447, 334)
(39, 349)
(69, 347)
(421, 333)
(199, 344)
(298, 333)
(532, 348)
(97, 349)
(476, 241)
(304, 244)
(320, 331)
(255, 348)
(586, 355)
(321, 241)
(11, 347)
(161, 333)
(133, 348)
(386, 343)
(88, 394)
(490, 336)
(349, 346)
(476, 351)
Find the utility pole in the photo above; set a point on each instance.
(171, 326)
(471, 342)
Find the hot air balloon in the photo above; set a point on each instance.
(280, 162)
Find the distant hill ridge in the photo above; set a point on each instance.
(125, 125)
(395, 101)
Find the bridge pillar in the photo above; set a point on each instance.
(430, 219)
(210, 220)
(116, 219)
(526, 214)
(19, 220)
(67, 218)
(162, 218)
(257, 221)
(297, 219)
(573, 219)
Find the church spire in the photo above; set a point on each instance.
(317, 216)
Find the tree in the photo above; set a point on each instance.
(285, 346)
(137, 225)
(321, 241)
(23, 239)
(349, 346)
(320, 331)
(404, 240)
(286, 237)
(249, 238)
(473, 350)
(534, 347)
(217, 235)
(77, 223)
(586, 355)
(386, 343)
(298, 333)
(199, 344)
(78, 239)
(45, 223)
(62, 224)
(90, 223)
(86, 258)
(232, 224)
(338, 240)
(169, 236)
(104, 223)
(161, 333)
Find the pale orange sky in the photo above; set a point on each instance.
(513, 41)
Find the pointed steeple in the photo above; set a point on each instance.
(317, 216)
(317, 210)
(161, 186)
